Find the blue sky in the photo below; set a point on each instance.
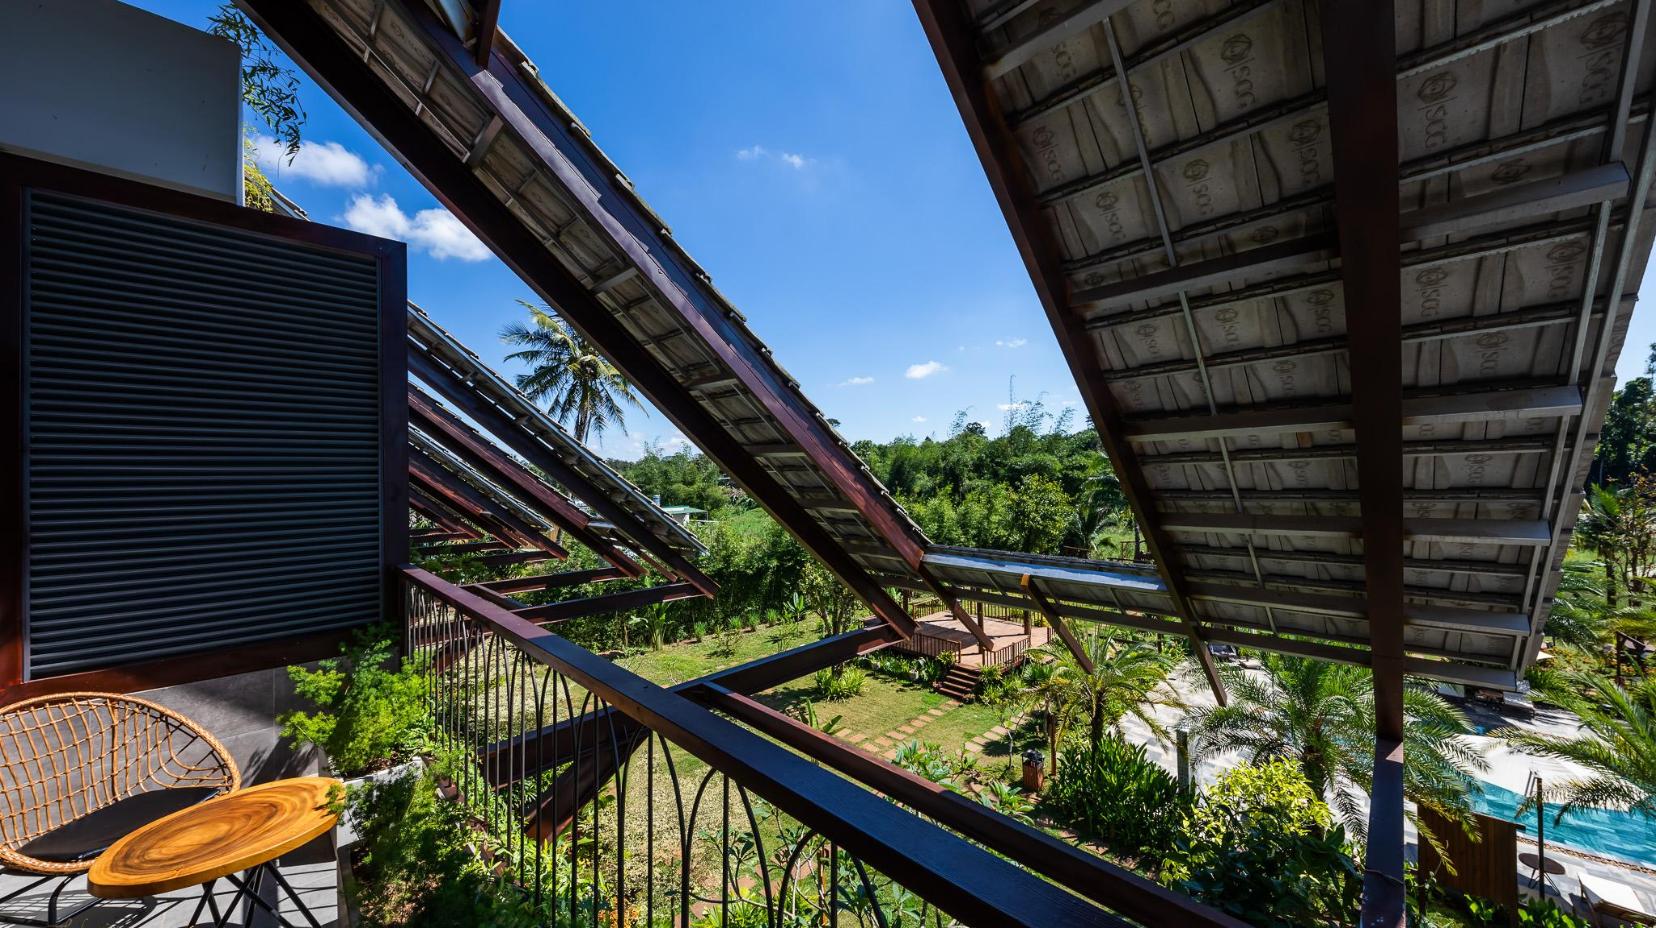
(808, 155)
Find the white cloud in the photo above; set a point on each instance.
(1011, 342)
(987, 425)
(1069, 403)
(918, 419)
(327, 163)
(922, 371)
(759, 152)
(1008, 407)
(434, 231)
(856, 381)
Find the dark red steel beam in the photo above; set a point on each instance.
(435, 479)
(607, 602)
(438, 535)
(448, 430)
(498, 424)
(1072, 868)
(424, 495)
(559, 804)
(433, 513)
(424, 503)
(961, 614)
(1047, 609)
(954, 41)
(311, 42)
(463, 548)
(514, 557)
(467, 504)
(550, 581)
(577, 734)
(1360, 57)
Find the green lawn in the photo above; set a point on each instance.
(883, 705)
(677, 663)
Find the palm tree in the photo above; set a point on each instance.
(1125, 680)
(1321, 715)
(1600, 528)
(580, 388)
(1619, 748)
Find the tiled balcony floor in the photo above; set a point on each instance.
(310, 870)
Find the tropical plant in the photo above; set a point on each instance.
(1004, 693)
(828, 596)
(1260, 845)
(1602, 529)
(1544, 913)
(1320, 716)
(656, 622)
(1125, 680)
(1007, 799)
(1618, 749)
(581, 389)
(1113, 792)
(807, 713)
(842, 682)
(927, 759)
(370, 709)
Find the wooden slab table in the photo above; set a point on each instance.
(244, 831)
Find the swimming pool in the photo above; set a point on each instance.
(1601, 831)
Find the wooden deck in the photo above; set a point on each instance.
(941, 632)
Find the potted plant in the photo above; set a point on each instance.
(369, 715)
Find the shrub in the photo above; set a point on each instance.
(1259, 845)
(369, 714)
(1544, 913)
(833, 683)
(726, 642)
(1116, 794)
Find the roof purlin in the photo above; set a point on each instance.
(954, 42)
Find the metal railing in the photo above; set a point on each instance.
(611, 801)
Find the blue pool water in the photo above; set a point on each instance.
(1602, 831)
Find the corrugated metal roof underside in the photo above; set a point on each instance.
(454, 111)
(438, 345)
(1234, 384)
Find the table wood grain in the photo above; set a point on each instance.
(219, 837)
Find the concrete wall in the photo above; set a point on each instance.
(241, 712)
(102, 85)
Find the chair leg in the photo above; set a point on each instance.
(52, 920)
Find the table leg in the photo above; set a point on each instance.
(244, 890)
(257, 884)
(303, 909)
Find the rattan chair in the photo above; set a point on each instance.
(80, 770)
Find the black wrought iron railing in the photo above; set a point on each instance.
(612, 801)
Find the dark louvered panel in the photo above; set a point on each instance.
(203, 419)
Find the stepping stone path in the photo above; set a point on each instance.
(888, 743)
(998, 733)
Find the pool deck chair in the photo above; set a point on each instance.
(1616, 899)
